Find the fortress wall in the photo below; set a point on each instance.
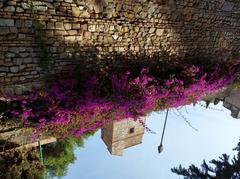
(52, 36)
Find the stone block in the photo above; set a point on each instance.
(111, 27)
(2, 74)
(22, 78)
(98, 7)
(115, 36)
(13, 49)
(38, 69)
(4, 69)
(228, 6)
(49, 33)
(19, 23)
(19, 9)
(23, 55)
(18, 90)
(76, 26)
(75, 11)
(13, 30)
(22, 49)
(61, 32)
(11, 3)
(121, 49)
(72, 32)
(41, 8)
(59, 25)
(143, 14)
(92, 28)
(84, 27)
(79, 38)
(67, 26)
(159, 32)
(6, 22)
(21, 36)
(4, 30)
(70, 38)
(22, 67)
(14, 69)
(50, 25)
(87, 35)
(10, 55)
(18, 61)
(152, 30)
(27, 60)
(53, 49)
(9, 9)
(28, 23)
(101, 28)
(25, 5)
(85, 14)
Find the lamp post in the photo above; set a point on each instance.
(160, 147)
(41, 156)
(40, 151)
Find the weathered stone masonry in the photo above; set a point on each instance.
(94, 29)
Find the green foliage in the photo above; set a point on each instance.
(40, 37)
(25, 163)
(235, 85)
(20, 164)
(223, 168)
(58, 156)
(6, 119)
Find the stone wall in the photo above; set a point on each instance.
(52, 36)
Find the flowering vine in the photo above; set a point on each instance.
(68, 107)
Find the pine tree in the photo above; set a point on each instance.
(222, 168)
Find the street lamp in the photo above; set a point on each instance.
(160, 147)
(41, 155)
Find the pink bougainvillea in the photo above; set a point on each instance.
(65, 109)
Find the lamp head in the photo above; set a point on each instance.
(160, 148)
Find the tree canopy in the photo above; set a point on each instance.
(222, 168)
(58, 156)
(25, 163)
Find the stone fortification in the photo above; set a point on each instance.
(54, 35)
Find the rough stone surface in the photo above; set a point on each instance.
(25, 5)
(19, 9)
(28, 23)
(6, 22)
(4, 30)
(90, 29)
(4, 69)
(9, 9)
(228, 6)
(159, 32)
(75, 11)
(14, 69)
(123, 134)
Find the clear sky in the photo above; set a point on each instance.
(218, 133)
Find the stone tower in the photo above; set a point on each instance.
(119, 135)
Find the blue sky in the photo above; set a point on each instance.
(217, 133)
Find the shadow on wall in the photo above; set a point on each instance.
(107, 33)
(207, 33)
(182, 32)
